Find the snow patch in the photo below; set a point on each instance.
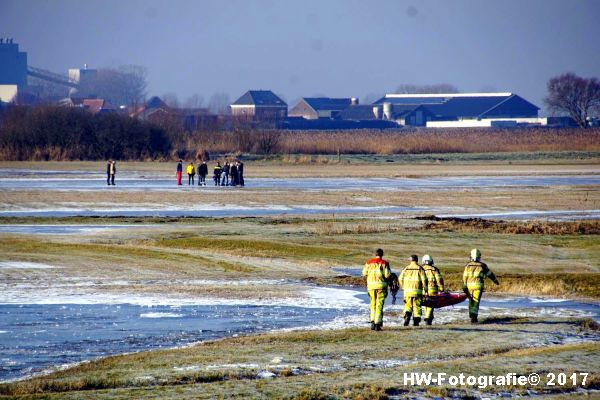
(24, 265)
(188, 368)
(265, 375)
(226, 366)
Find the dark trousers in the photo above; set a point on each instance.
(202, 179)
(190, 179)
(110, 179)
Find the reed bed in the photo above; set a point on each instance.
(440, 141)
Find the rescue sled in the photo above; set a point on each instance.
(444, 299)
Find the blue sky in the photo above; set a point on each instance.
(311, 47)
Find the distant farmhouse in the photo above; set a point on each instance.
(321, 107)
(261, 106)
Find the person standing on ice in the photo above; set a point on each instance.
(217, 171)
(233, 176)
(435, 284)
(202, 172)
(111, 170)
(179, 171)
(473, 282)
(191, 171)
(225, 174)
(240, 173)
(413, 282)
(377, 271)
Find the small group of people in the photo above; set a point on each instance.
(229, 174)
(111, 170)
(420, 280)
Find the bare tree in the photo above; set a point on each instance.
(125, 85)
(266, 140)
(573, 95)
(408, 88)
(219, 103)
(194, 101)
(170, 99)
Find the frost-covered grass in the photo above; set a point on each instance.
(339, 363)
(299, 249)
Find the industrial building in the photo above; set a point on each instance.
(456, 109)
(13, 70)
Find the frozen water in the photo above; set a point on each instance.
(131, 181)
(160, 315)
(45, 335)
(65, 229)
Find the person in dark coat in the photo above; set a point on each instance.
(202, 171)
(225, 179)
(217, 171)
(240, 173)
(111, 170)
(233, 175)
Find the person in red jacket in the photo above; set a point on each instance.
(179, 171)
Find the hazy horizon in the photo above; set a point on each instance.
(331, 48)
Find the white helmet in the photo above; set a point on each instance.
(427, 259)
(475, 254)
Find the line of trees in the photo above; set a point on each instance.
(60, 133)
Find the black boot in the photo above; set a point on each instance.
(373, 326)
(407, 316)
(378, 327)
(428, 321)
(473, 318)
(416, 321)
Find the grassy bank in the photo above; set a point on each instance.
(350, 363)
(545, 259)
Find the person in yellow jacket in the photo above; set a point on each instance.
(435, 284)
(377, 271)
(473, 282)
(191, 171)
(413, 282)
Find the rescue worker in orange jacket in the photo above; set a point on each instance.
(473, 282)
(435, 284)
(377, 271)
(413, 282)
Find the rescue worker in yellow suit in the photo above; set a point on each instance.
(413, 282)
(377, 271)
(435, 284)
(473, 282)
